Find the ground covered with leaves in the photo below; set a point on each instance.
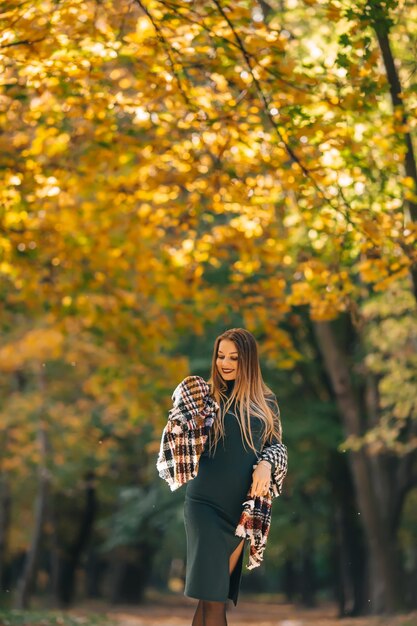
(178, 612)
(52, 618)
(261, 614)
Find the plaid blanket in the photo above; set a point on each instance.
(182, 442)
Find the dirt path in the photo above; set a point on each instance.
(174, 612)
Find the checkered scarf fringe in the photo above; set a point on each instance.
(182, 442)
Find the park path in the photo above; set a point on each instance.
(179, 613)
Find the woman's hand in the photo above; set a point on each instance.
(261, 478)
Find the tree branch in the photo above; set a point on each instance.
(23, 42)
(382, 27)
(167, 49)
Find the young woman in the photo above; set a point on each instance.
(248, 418)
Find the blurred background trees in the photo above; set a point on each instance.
(169, 170)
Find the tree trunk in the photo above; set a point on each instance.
(95, 569)
(307, 574)
(130, 571)
(24, 586)
(71, 559)
(289, 580)
(380, 540)
(53, 548)
(350, 556)
(5, 507)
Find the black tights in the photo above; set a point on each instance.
(210, 614)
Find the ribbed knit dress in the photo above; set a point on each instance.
(212, 509)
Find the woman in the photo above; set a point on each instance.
(248, 418)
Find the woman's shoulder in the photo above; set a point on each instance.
(272, 401)
(270, 396)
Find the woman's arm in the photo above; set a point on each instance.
(274, 452)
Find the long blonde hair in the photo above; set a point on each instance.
(249, 391)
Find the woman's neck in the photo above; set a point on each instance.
(230, 384)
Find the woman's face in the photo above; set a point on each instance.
(227, 359)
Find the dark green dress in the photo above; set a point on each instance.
(212, 509)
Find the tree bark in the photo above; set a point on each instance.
(53, 547)
(307, 573)
(71, 559)
(289, 579)
(5, 507)
(380, 541)
(350, 556)
(95, 568)
(24, 586)
(129, 579)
